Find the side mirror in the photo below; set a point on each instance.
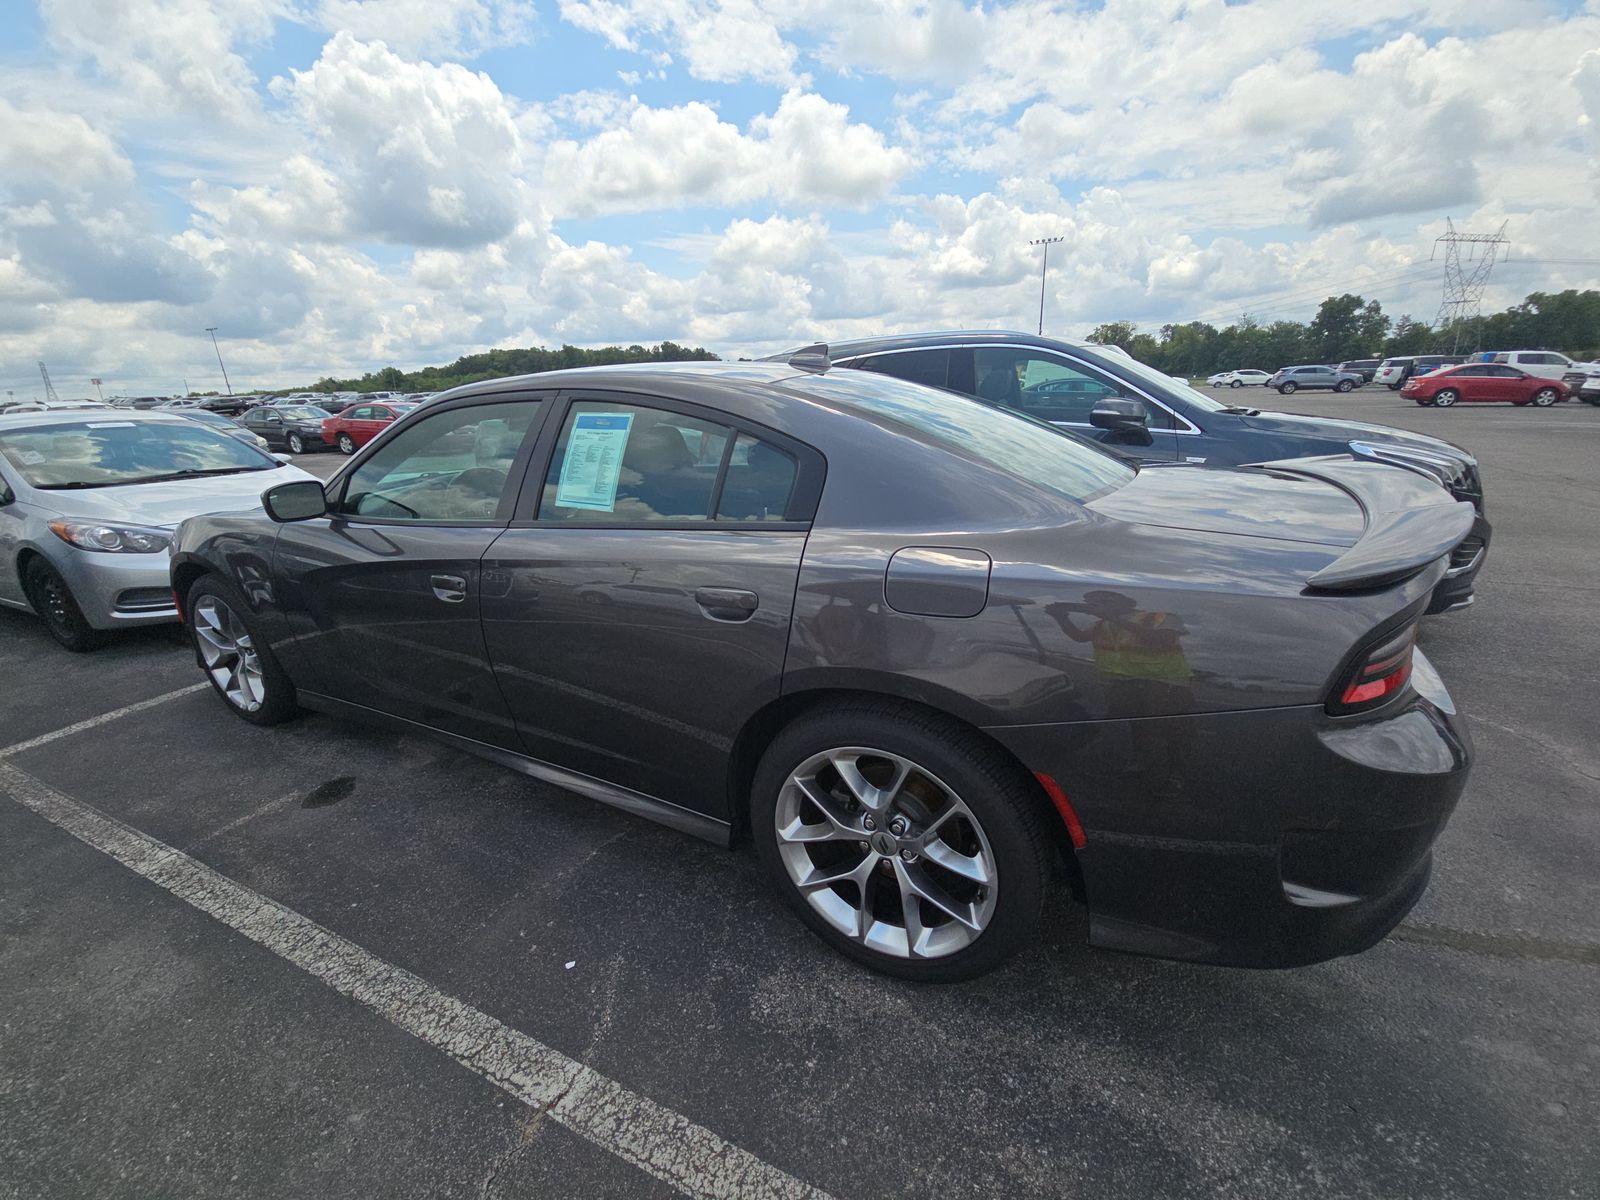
(7, 496)
(300, 500)
(285, 459)
(1123, 417)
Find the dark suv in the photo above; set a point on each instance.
(1102, 393)
(1364, 367)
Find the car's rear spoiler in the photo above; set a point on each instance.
(1410, 521)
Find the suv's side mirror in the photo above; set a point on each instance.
(7, 496)
(1124, 417)
(300, 500)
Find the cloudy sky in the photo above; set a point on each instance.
(339, 185)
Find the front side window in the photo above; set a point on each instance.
(94, 454)
(630, 464)
(456, 465)
(1046, 388)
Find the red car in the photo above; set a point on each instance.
(360, 423)
(1486, 382)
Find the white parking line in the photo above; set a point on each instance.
(658, 1141)
(45, 739)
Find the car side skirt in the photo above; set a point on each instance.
(662, 812)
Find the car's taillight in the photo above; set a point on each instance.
(1376, 676)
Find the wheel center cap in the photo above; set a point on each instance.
(883, 843)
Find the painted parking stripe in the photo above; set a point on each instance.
(45, 739)
(656, 1140)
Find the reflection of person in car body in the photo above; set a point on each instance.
(1141, 658)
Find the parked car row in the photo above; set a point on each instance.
(1546, 377)
(847, 603)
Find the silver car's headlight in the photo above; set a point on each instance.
(112, 539)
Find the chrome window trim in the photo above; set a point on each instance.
(1187, 427)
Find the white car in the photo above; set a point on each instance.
(1245, 378)
(1546, 364)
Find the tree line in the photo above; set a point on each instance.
(495, 364)
(1350, 326)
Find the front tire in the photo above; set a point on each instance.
(347, 444)
(1545, 397)
(56, 606)
(1445, 397)
(902, 839)
(297, 444)
(240, 668)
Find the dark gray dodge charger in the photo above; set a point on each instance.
(918, 651)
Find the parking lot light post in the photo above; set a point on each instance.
(212, 330)
(1044, 267)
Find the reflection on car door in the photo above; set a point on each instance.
(660, 565)
(384, 595)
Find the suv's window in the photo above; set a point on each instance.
(629, 464)
(453, 466)
(1045, 387)
(758, 483)
(928, 367)
(1044, 458)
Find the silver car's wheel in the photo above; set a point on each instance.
(886, 853)
(229, 655)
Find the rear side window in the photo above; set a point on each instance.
(629, 464)
(758, 483)
(930, 368)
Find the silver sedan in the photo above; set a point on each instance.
(88, 503)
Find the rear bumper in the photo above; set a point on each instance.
(1272, 838)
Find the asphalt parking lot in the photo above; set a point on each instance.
(220, 1046)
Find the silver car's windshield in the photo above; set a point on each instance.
(1022, 447)
(110, 453)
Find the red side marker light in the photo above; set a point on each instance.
(1064, 807)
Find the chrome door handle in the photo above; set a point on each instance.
(726, 604)
(452, 589)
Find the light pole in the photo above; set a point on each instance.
(212, 330)
(1043, 267)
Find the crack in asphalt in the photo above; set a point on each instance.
(1500, 945)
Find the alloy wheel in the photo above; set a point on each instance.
(1444, 398)
(1544, 397)
(886, 853)
(296, 446)
(347, 444)
(229, 654)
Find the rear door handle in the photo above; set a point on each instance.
(452, 589)
(726, 604)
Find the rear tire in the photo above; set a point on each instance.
(1344, 385)
(347, 444)
(240, 668)
(1445, 397)
(1235, 383)
(1545, 397)
(941, 779)
(56, 606)
(1288, 389)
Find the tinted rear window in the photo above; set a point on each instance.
(1014, 444)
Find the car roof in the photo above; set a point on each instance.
(78, 416)
(936, 338)
(725, 377)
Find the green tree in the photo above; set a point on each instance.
(1114, 333)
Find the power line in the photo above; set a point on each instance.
(1285, 299)
(1464, 285)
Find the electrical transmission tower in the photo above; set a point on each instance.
(49, 388)
(1464, 282)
